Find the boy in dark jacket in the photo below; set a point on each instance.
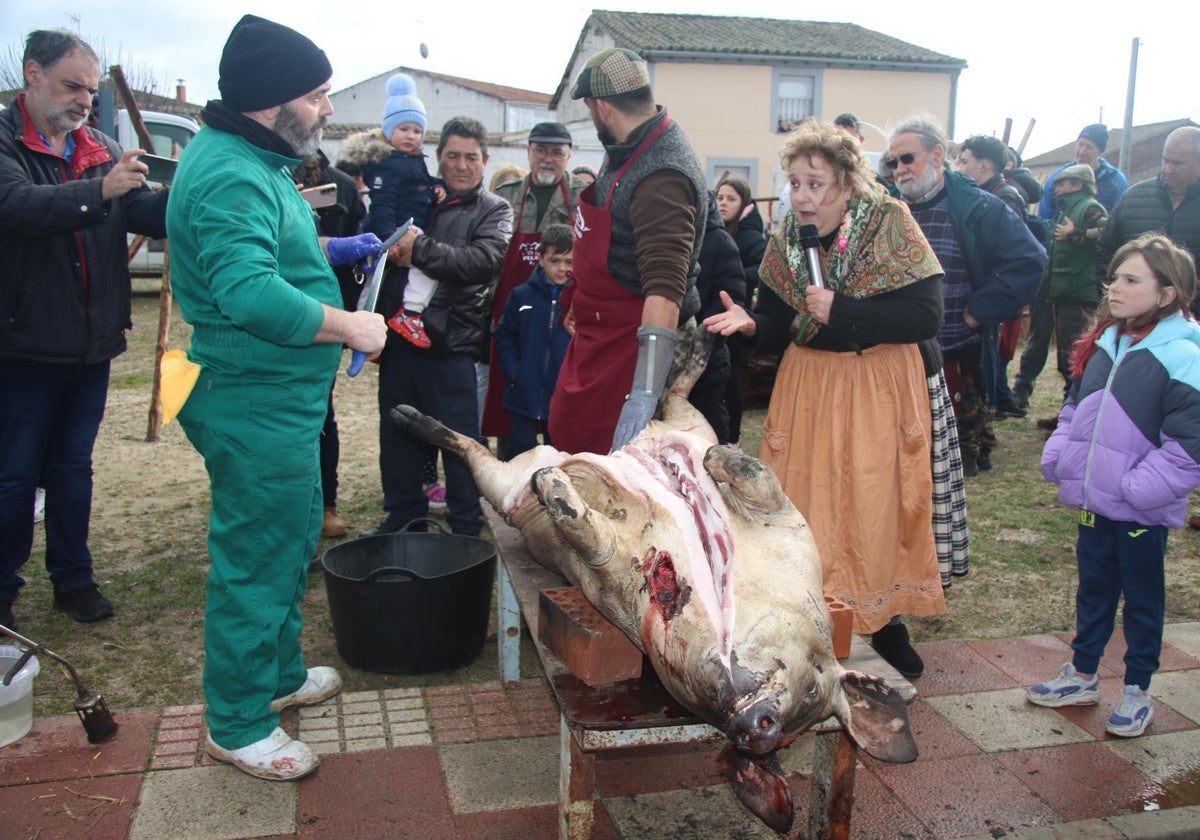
(531, 341)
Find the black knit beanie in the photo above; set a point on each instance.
(265, 64)
(1097, 133)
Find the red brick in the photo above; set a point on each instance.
(843, 626)
(591, 647)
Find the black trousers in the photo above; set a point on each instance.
(444, 388)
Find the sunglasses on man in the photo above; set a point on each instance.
(893, 163)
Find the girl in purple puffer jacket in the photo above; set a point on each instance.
(1127, 453)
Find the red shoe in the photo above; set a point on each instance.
(411, 328)
(1194, 522)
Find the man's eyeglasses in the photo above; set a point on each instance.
(907, 158)
(558, 152)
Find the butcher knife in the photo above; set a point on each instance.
(370, 294)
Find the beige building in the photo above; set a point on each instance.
(737, 85)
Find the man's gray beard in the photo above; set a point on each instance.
(921, 187)
(545, 179)
(303, 139)
(57, 118)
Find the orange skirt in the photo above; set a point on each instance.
(849, 435)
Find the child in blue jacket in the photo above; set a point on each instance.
(531, 343)
(1127, 453)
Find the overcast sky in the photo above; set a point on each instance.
(1073, 59)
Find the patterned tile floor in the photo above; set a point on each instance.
(481, 761)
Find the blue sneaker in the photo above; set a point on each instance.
(1133, 714)
(1067, 689)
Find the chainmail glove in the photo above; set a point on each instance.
(656, 351)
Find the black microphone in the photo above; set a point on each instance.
(810, 241)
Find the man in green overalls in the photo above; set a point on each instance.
(255, 282)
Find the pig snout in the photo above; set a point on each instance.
(757, 729)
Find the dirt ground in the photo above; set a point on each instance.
(149, 527)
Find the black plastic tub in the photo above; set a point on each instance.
(410, 602)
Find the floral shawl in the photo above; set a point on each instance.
(879, 248)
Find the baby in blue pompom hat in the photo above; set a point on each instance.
(401, 189)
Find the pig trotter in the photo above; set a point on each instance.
(748, 478)
(421, 426)
(555, 492)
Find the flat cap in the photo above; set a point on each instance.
(611, 72)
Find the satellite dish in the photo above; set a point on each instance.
(424, 50)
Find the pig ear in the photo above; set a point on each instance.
(876, 718)
(759, 784)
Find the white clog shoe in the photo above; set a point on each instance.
(322, 683)
(278, 757)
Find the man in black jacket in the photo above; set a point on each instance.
(1169, 202)
(68, 197)
(466, 242)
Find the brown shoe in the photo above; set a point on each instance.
(1194, 521)
(333, 526)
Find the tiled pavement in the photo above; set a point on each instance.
(481, 761)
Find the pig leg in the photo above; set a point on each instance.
(494, 478)
(589, 533)
(677, 412)
(751, 483)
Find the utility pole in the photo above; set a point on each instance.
(1127, 133)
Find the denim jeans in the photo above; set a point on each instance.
(49, 417)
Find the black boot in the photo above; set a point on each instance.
(891, 642)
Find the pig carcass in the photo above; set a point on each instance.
(695, 552)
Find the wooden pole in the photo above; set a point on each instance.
(154, 423)
(135, 114)
(1025, 137)
(1007, 130)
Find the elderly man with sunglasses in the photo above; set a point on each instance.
(547, 196)
(993, 267)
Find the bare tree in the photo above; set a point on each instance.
(141, 76)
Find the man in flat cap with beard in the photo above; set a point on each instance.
(255, 282)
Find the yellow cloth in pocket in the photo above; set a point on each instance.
(178, 377)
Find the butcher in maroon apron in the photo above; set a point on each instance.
(598, 369)
(519, 262)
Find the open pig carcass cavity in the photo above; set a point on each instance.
(695, 552)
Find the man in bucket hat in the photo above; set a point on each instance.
(638, 234)
(256, 283)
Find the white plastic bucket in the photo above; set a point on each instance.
(16, 699)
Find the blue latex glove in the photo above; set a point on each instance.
(347, 250)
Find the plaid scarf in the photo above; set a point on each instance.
(879, 248)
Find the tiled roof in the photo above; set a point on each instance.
(1145, 153)
(648, 33)
(504, 92)
(1141, 133)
